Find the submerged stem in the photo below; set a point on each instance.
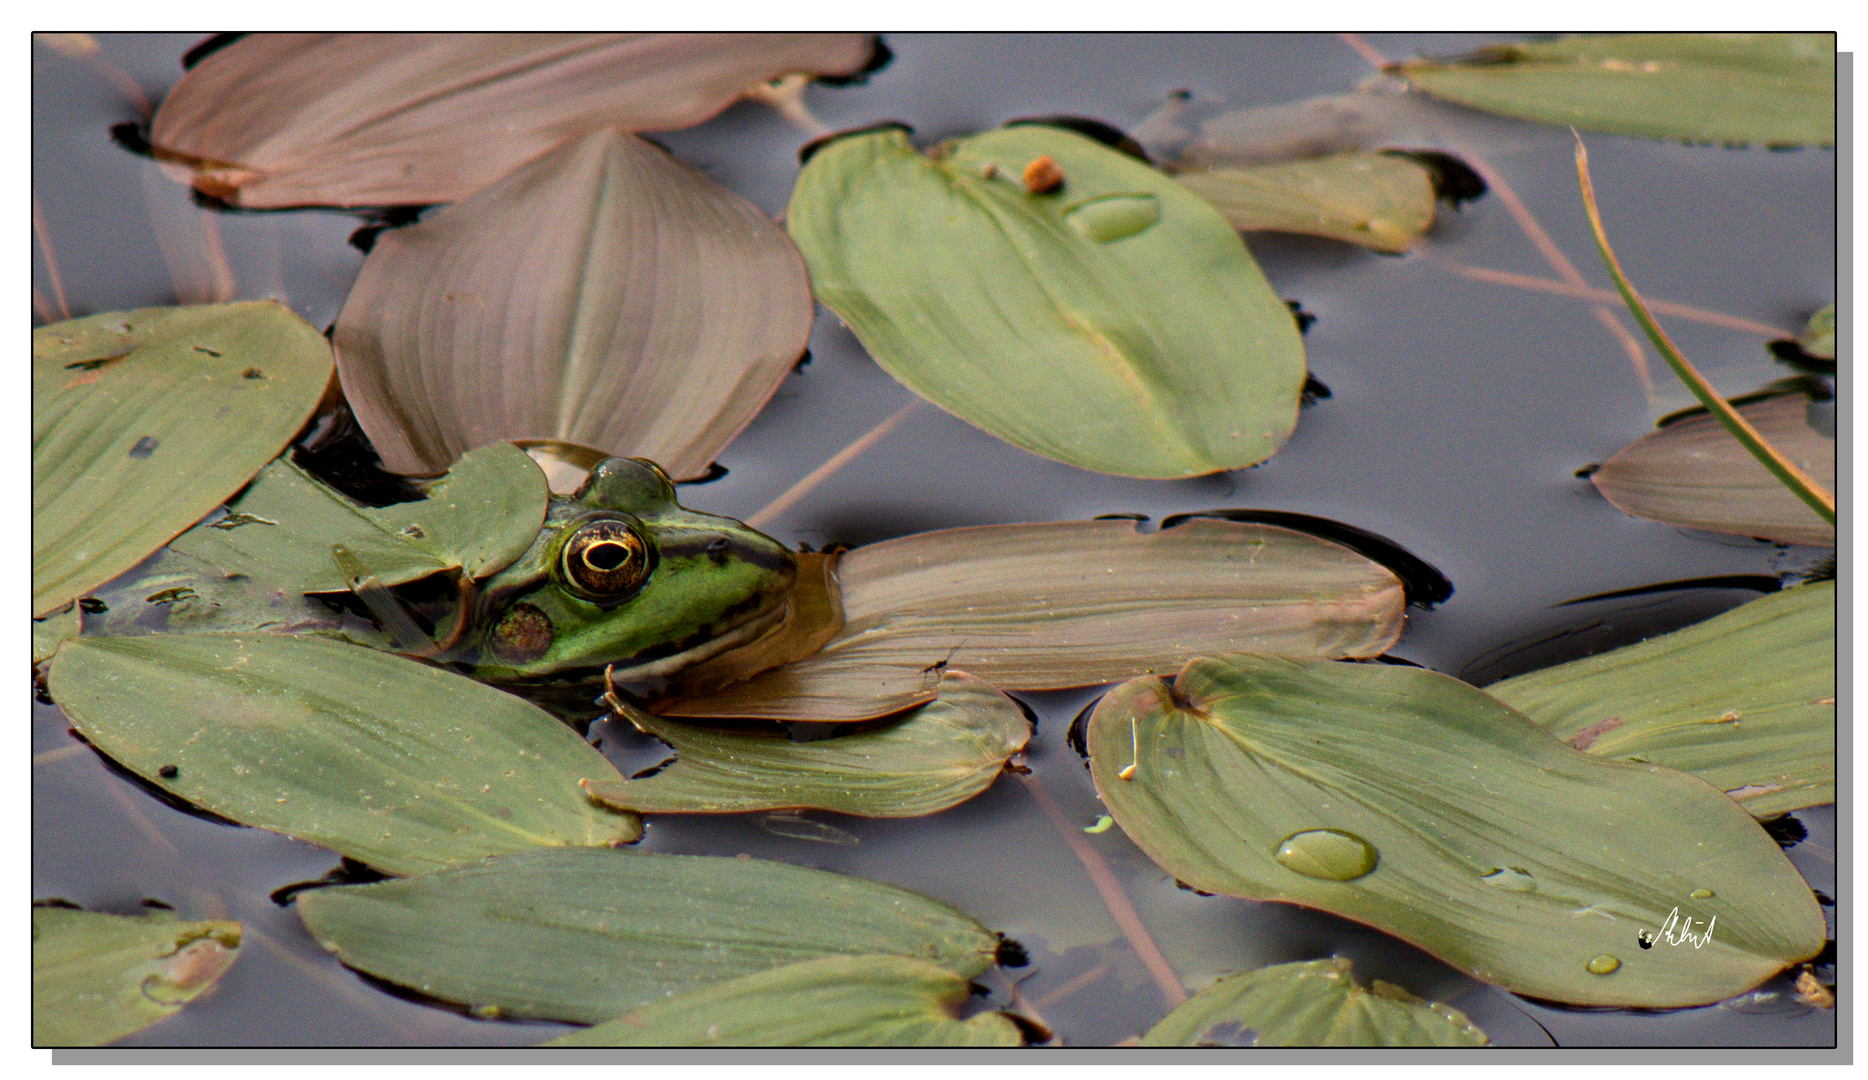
(1781, 467)
(1117, 901)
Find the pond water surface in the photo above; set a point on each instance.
(1460, 412)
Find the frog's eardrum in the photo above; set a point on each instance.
(278, 120)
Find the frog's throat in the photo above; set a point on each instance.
(663, 666)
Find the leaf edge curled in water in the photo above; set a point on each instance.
(1666, 474)
(839, 1000)
(580, 903)
(876, 221)
(1271, 1001)
(896, 589)
(1269, 782)
(261, 350)
(129, 698)
(1715, 94)
(176, 960)
(938, 756)
(604, 294)
(1771, 644)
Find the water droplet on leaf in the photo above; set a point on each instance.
(1701, 894)
(1329, 854)
(1113, 217)
(1603, 965)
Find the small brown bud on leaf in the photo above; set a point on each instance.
(1043, 175)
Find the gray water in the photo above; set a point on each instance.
(1461, 411)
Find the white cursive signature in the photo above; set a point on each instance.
(1675, 931)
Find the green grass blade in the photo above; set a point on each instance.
(1781, 467)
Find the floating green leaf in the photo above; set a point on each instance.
(387, 761)
(143, 421)
(479, 517)
(1310, 1003)
(1745, 701)
(1411, 802)
(1380, 201)
(97, 977)
(1693, 473)
(1034, 607)
(1776, 89)
(940, 755)
(1115, 322)
(605, 295)
(830, 1001)
(276, 120)
(587, 936)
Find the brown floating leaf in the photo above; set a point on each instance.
(940, 755)
(278, 120)
(1694, 473)
(605, 295)
(1032, 607)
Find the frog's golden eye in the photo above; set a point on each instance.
(606, 560)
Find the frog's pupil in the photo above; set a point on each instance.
(606, 556)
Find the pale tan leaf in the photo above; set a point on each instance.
(605, 295)
(1042, 606)
(278, 120)
(1694, 473)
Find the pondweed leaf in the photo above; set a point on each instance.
(372, 119)
(1380, 201)
(939, 755)
(605, 295)
(1745, 701)
(1310, 1003)
(1413, 803)
(1776, 89)
(1075, 603)
(1111, 320)
(1693, 473)
(97, 977)
(402, 766)
(587, 936)
(830, 1001)
(143, 421)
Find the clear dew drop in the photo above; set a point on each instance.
(1113, 217)
(1510, 879)
(1701, 894)
(1329, 854)
(1603, 965)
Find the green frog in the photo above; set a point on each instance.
(619, 576)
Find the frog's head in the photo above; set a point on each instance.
(622, 574)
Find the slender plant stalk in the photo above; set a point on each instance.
(1781, 467)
